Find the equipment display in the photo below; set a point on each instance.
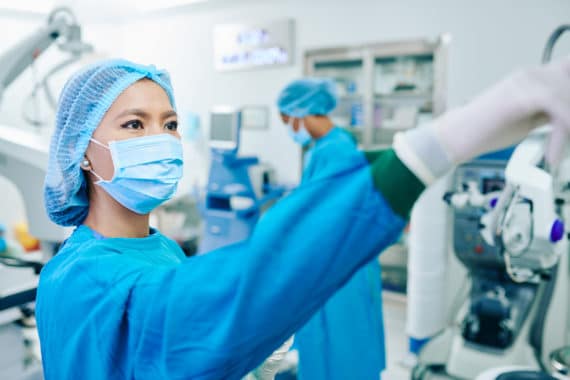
(224, 129)
(238, 187)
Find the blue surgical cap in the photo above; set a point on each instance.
(304, 97)
(85, 99)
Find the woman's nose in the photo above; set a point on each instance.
(155, 128)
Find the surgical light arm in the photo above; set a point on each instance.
(61, 26)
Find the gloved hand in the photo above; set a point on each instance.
(500, 117)
(268, 369)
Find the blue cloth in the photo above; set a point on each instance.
(310, 96)
(83, 102)
(137, 309)
(344, 339)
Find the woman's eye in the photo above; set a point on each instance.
(172, 126)
(133, 124)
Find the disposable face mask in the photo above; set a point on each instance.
(147, 171)
(301, 137)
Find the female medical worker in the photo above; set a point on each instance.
(344, 339)
(120, 300)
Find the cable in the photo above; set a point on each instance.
(547, 54)
(10, 261)
(47, 91)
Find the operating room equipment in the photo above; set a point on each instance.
(527, 223)
(44, 84)
(427, 268)
(180, 220)
(560, 362)
(23, 161)
(530, 223)
(514, 247)
(524, 218)
(559, 136)
(535, 254)
(238, 188)
(23, 155)
(385, 86)
(61, 29)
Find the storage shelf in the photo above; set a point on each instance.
(380, 83)
(350, 97)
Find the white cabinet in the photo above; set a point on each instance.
(384, 87)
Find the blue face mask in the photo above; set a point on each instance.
(147, 171)
(301, 137)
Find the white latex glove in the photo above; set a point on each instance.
(500, 117)
(268, 369)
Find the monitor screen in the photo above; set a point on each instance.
(223, 127)
(493, 184)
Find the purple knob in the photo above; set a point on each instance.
(557, 231)
(493, 202)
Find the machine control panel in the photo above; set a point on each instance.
(497, 305)
(487, 177)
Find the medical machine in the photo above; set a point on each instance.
(510, 233)
(24, 155)
(506, 232)
(61, 29)
(238, 189)
(224, 131)
(23, 161)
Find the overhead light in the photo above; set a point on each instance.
(33, 6)
(153, 5)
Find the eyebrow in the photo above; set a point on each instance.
(145, 115)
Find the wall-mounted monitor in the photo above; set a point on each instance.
(247, 46)
(225, 124)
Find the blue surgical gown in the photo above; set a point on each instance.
(135, 308)
(344, 339)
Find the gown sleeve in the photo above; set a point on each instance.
(219, 315)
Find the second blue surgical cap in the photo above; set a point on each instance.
(83, 102)
(310, 96)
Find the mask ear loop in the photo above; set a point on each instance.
(100, 179)
(99, 143)
(301, 124)
(291, 121)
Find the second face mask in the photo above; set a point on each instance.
(301, 137)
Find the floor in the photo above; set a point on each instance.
(396, 339)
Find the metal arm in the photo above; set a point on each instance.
(524, 221)
(61, 26)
